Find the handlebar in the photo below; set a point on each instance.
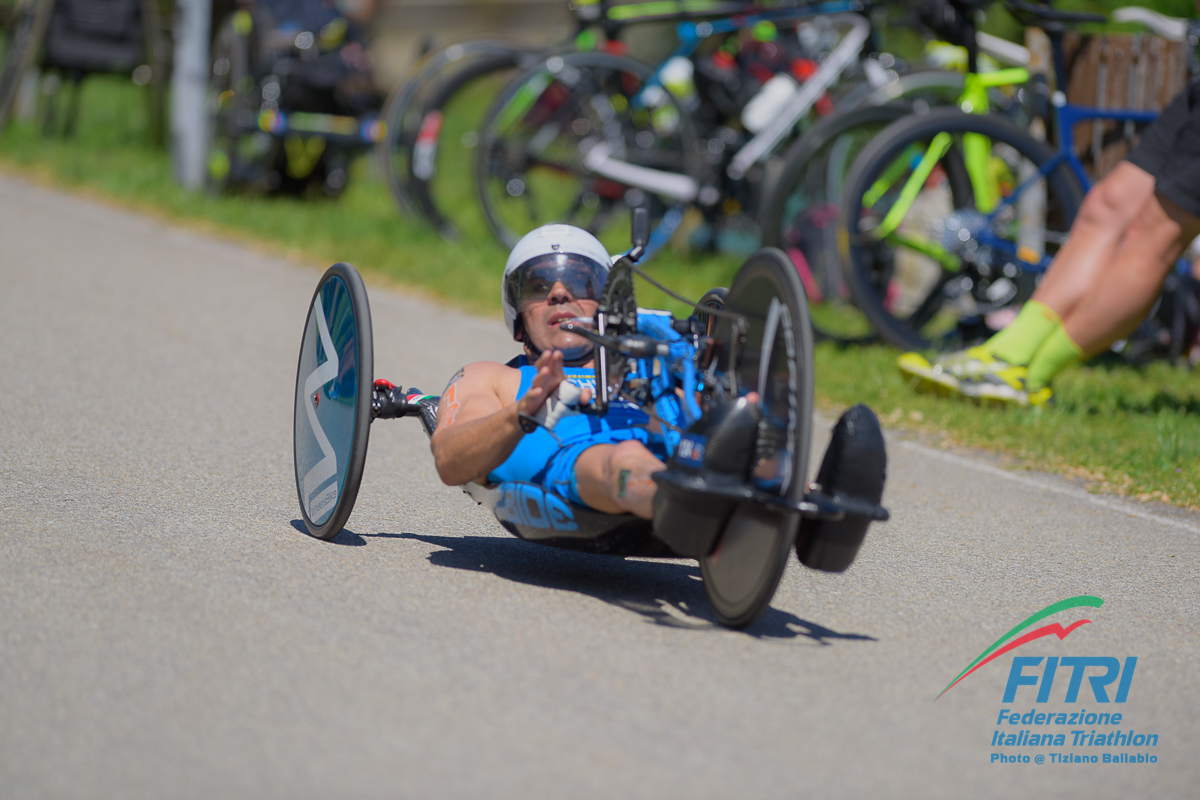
(635, 345)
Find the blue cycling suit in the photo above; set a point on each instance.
(541, 460)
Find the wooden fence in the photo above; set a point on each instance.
(1119, 71)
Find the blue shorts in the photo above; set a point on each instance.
(559, 474)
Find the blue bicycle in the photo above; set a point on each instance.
(735, 494)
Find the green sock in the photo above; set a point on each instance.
(1017, 343)
(1057, 353)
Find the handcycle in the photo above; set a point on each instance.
(68, 40)
(734, 495)
(949, 216)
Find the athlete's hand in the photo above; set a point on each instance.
(549, 375)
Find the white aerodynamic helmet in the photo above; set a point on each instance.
(548, 254)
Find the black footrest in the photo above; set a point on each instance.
(841, 505)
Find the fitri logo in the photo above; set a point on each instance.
(1092, 714)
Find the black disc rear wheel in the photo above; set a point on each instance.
(773, 358)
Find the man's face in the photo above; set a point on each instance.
(542, 319)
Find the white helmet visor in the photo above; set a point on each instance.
(532, 282)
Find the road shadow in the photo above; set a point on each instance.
(662, 592)
(346, 538)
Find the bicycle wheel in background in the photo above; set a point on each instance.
(576, 139)
(404, 112)
(24, 37)
(800, 208)
(442, 155)
(800, 212)
(927, 256)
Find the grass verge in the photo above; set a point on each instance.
(1124, 430)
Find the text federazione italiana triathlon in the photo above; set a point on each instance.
(1084, 729)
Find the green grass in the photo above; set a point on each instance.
(1131, 431)
(1127, 430)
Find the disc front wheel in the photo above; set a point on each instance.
(333, 401)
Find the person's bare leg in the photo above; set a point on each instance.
(1107, 211)
(1127, 288)
(1096, 235)
(615, 478)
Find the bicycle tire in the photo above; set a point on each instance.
(402, 111)
(743, 571)
(535, 136)
(436, 154)
(26, 31)
(937, 87)
(800, 211)
(916, 300)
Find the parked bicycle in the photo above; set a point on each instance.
(582, 136)
(949, 216)
(428, 144)
(800, 208)
(291, 100)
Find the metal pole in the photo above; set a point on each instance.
(189, 90)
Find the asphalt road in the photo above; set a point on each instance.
(166, 631)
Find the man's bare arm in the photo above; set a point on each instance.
(478, 419)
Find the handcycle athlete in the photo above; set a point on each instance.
(619, 430)
(486, 428)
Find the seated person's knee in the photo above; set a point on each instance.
(616, 478)
(1114, 201)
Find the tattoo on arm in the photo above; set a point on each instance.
(448, 405)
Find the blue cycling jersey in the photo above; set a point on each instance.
(541, 459)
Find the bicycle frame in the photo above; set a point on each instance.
(1066, 116)
(691, 35)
